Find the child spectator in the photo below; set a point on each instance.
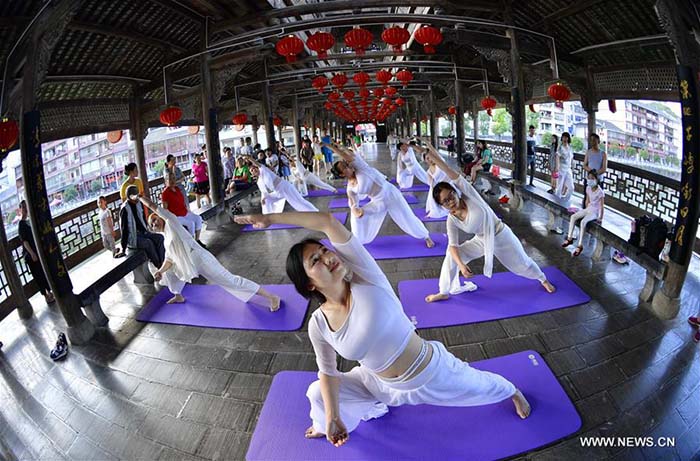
(107, 228)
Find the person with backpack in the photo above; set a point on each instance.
(594, 211)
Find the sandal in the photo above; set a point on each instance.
(578, 251)
(567, 242)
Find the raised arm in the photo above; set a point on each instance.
(147, 202)
(347, 155)
(316, 221)
(437, 158)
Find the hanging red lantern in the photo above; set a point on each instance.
(321, 42)
(612, 105)
(378, 92)
(339, 80)
(364, 93)
(170, 115)
(429, 37)
(383, 77)
(239, 119)
(319, 83)
(358, 39)
(452, 110)
(488, 103)
(348, 95)
(277, 121)
(334, 96)
(396, 37)
(559, 92)
(404, 76)
(289, 47)
(9, 133)
(532, 108)
(328, 105)
(361, 78)
(400, 102)
(114, 136)
(390, 91)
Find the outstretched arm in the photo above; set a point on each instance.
(437, 158)
(346, 154)
(147, 202)
(316, 221)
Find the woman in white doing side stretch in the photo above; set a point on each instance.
(275, 191)
(361, 318)
(407, 167)
(303, 178)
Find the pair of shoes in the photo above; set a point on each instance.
(620, 258)
(694, 322)
(567, 242)
(504, 199)
(202, 244)
(578, 251)
(61, 348)
(550, 191)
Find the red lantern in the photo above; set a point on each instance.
(334, 96)
(452, 110)
(114, 136)
(328, 105)
(361, 78)
(240, 119)
(396, 37)
(400, 102)
(532, 108)
(378, 92)
(390, 91)
(170, 115)
(9, 133)
(319, 83)
(404, 76)
(349, 95)
(429, 37)
(277, 121)
(358, 39)
(364, 93)
(383, 77)
(559, 92)
(339, 80)
(488, 103)
(289, 47)
(612, 105)
(321, 42)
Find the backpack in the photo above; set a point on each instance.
(649, 235)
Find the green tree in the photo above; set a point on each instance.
(70, 193)
(631, 152)
(446, 130)
(614, 148)
(546, 138)
(644, 154)
(484, 123)
(159, 167)
(577, 144)
(533, 118)
(502, 122)
(95, 186)
(657, 158)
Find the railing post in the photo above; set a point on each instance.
(17, 295)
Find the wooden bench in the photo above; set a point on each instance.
(605, 239)
(136, 261)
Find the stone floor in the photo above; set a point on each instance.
(150, 391)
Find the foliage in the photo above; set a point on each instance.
(577, 144)
(446, 130)
(631, 151)
(484, 123)
(95, 186)
(644, 154)
(546, 138)
(533, 118)
(502, 122)
(70, 193)
(159, 167)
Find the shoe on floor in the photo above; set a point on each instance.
(620, 258)
(58, 352)
(694, 321)
(696, 336)
(550, 191)
(202, 244)
(62, 339)
(558, 230)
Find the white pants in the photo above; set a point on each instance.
(191, 221)
(389, 201)
(312, 179)
(393, 150)
(586, 215)
(446, 381)
(404, 177)
(565, 180)
(507, 249)
(286, 192)
(210, 268)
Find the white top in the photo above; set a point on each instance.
(376, 330)
(595, 198)
(105, 228)
(369, 181)
(272, 161)
(316, 148)
(179, 245)
(566, 156)
(471, 225)
(437, 176)
(408, 157)
(267, 181)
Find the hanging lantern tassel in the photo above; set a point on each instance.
(488, 111)
(532, 108)
(612, 105)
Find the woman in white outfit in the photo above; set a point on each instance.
(366, 221)
(391, 142)
(303, 178)
(361, 318)
(435, 175)
(185, 260)
(472, 215)
(407, 167)
(595, 198)
(565, 157)
(275, 191)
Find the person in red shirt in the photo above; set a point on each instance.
(174, 202)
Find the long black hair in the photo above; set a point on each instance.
(297, 272)
(439, 187)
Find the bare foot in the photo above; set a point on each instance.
(436, 297)
(274, 303)
(548, 286)
(522, 406)
(429, 242)
(177, 299)
(312, 434)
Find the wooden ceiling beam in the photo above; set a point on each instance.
(574, 8)
(184, 11)
(123, 34)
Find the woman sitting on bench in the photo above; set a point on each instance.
(595, 198)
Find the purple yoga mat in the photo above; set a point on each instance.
(343, 202)
(416, 188)
(403, 247)
(326, 193)
(423, 432)
(503, 296)
(420, 212)
(342, 217)
(212, 306)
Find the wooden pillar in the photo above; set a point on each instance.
(48, 249)
(136, 133)
(419, 115)
(459, 123)
(269, 126)
(279, 133)
(314, 119)
(475, 123)
(211, 127)
(680, 22)
(256, 127)
(433, 121)
(517, 100)
(17, 299)
(296, 122)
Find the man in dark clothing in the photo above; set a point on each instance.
(135, 234)
(531, 145)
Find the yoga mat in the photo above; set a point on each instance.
(343, 202)
(212, 306)
(423, 432)
(420, 213)
(325, 193)
(403, 247)
(503, 296)
(420, 187)
(342, 217)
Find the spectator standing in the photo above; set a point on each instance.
(229, 166)
(554, 145)
(565, 156)
(130, 171)
(531, 145)
(327, 152)
(31, 259)
(171, 167)
(107, 231)
(201, 180)
(595, 159)
(248, 149)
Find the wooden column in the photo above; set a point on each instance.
(17, 299)
(211, 127)
(680, 20)
(256, 127)
(137, 132)
(475, 123)
(419, 115)
(314, 120)
(517, 99)
(296, 122)
(267, 109)
(459, 123)
(80, 329)
(433, 121)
